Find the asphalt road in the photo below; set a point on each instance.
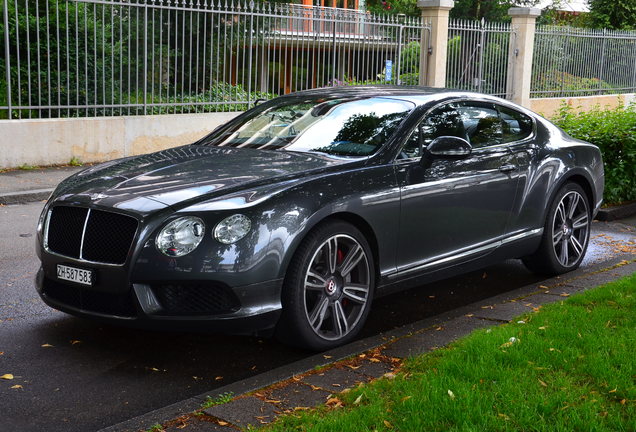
(76, 375)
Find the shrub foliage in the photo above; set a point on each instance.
(614, 132)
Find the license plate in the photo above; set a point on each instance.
(84, 277)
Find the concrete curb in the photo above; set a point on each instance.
(618, 212)
(25, 196)
(549, 290)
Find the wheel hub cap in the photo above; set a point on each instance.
(331, 286)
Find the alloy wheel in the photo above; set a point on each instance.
(570, 228)
(336, 287)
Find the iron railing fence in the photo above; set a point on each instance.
(582, 62)
(477, 58)
(129, 57)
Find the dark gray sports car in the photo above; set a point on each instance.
(295, 215)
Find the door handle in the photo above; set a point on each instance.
(507, 168)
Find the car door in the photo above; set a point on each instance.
(454, 209)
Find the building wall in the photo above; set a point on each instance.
(56, 141)
(548, 107)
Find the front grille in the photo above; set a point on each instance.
(88, 300)
(65, 230)
(196, 299)
(105, 237)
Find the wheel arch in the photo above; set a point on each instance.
(578, 176)
(352, 218)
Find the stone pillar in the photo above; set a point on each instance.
(433, 63)
(521, 51)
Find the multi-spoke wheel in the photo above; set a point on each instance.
(328, 289)
(566, 233)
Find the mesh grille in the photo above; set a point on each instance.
(91, 301)
(196, 299)
(108, 237)
(65, 230)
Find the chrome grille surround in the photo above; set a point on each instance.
(118, 232)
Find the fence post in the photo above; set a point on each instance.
(521, 51)
(433, 61)
(7, 60)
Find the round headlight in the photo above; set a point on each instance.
(232, 229)
(181, 236)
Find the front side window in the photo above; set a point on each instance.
(443, 121)
(347, 127)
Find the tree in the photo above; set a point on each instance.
(613, 14)
(490, 10)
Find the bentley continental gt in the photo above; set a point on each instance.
(292, 217)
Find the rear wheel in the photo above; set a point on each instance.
(328, 289)
(565, 235)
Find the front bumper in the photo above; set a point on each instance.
(256, 308)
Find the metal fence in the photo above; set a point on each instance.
(478, 56)
(128, 57)
(582, 62)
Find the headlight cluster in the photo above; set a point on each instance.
(181, 236)
(232, 229)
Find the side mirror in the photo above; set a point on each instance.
(449, 147)
(446, 147)
(258, 101)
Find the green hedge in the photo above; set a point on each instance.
(547, 82)
(614, 132)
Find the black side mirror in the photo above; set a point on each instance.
(257, 101)
(446, 147)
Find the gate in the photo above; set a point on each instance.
(478, 56)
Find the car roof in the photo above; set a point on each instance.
(417, 95)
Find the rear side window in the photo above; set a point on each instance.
(516, 126)
(482, 123)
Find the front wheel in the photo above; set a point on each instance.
(565, 235)
(328, 289)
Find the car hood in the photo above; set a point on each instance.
(184, 175)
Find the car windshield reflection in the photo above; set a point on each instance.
(339, 127)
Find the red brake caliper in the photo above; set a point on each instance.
(339, 260)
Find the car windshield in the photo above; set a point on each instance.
(341, 127)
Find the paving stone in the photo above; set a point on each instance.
(334, 379)
(540, 299)
(196, 425)
(433, 338)
(564, 289)
(244, 411)
(299, 395)
(593, 280)
(374, 369)
(503, 311)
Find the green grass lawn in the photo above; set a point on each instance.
(571, 368)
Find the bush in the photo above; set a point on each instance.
(565, 83)
(614, 132)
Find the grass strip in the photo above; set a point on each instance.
(571, 366)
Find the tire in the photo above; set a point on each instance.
(328, 288)
(566, 233)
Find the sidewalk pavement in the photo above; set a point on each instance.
(21, 185)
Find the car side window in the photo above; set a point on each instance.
(483, 125)
(443, 121)
(516, 126)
